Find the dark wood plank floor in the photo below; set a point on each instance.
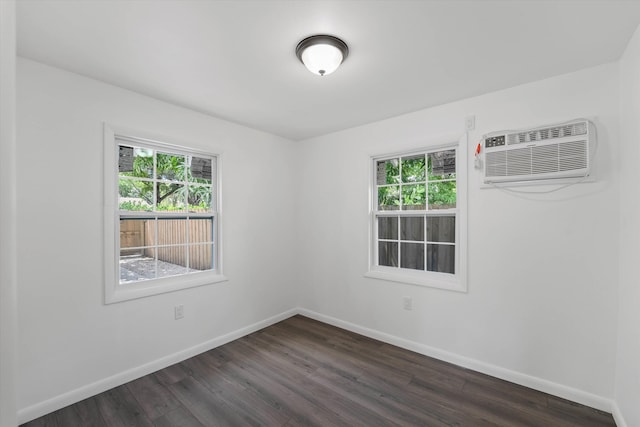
(301, 372)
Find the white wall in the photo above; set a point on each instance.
(542, 300)
(69, 341)
(8, 280)
(627, 385)
(543, 270)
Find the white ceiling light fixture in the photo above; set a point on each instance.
(322, 54)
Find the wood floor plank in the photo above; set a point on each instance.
(49, 420)
(388, 408)
(84, 413)
(476, 410)
(171, 375)
(343, 411)
(281, 392)
(504, 391)
(321, 355)
(205, 406)
(235, 395)
(285, 353)
(179, 417)
(291, 383)
(301, 372)
(336, 335)
(152, 396)
(436, 372)
(118, 407)
(574, 412)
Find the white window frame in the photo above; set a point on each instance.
(453, 282)
(114, 291)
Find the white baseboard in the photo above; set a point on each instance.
(535, 383)
(73, 396)
(39, 409)
(617, 415)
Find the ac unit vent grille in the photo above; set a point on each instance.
(540, 154)
(543, 134)
(519, 162)
(546, 159)
(572, 155)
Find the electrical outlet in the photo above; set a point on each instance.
(407, 303)
(179, 311)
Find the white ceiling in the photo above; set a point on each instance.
(235, 59)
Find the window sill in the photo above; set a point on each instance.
(126, 292)
(419, 278)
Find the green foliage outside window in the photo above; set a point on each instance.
(414, 185)
(171, 194)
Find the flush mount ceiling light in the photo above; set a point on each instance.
(322, 54)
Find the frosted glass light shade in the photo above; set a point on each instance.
(322, 59)
(322, 54)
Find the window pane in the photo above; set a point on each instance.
(441, 258)
(387, 172)
(135, 233)
(135, 195)
(413, 168)
(388, 254)
(172, 261)
(170, 167)
(414, 197)
(389, 198)
(412, 256)
(412, 228)
(199, 198)
(134, 161)
(201, 230)
(201, 257)
(388, 227)
(442, 164)
(441, 229)
(136, 267)
(200, 169)
(442, 195)
(172, 231)
(171, 197)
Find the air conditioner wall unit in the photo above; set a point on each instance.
(542, 153)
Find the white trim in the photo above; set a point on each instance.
(126, 292)
(545, 386)
(432, 212)
(439, 143)
(58, 402)
(127, 137)
(114, 291)
(617, 415)
(8, 216)
(432, 280)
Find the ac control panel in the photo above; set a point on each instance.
(494, 141)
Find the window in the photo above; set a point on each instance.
(163, 220)
(417, 219)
